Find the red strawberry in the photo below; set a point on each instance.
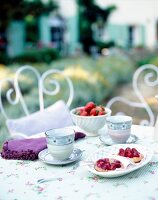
(83, 113)
(89, 106)
(101, 113)
(100, 108)
(79, 111)
(93, 112)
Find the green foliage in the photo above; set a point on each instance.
(153, 60)
(142, 56)
(27, 11)
(18, 11)
(90, 13)
(4, 58)
(46, 55)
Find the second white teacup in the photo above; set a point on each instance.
(60, 142)
(119, 128)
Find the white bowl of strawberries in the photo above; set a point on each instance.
(90, 118)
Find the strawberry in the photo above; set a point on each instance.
(93, 112)
(83, 113)
(89, 106)
(91, 109)
(79, 111)
(100, 108)
(101, 113)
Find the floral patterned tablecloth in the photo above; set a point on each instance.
(18, 179)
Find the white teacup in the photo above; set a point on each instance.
(60, 142)
(119, 128)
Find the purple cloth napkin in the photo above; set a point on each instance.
(23, 149)
(27, 149)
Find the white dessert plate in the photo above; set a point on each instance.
(106, 139)
(113, 150)
(46, 157)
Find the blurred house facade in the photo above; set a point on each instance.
(66, 27)
(133, 23)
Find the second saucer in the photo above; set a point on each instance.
(106, 139)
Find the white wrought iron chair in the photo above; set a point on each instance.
(56, 115)
(150, 78)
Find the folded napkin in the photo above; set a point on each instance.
(23, 149)
(27, 149)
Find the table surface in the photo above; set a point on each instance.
(18, 179)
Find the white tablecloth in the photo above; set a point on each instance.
(18, 179)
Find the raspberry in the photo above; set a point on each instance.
(113, 166)
(135, 154)
(121, 152)
(106, 160)
(108, 164)
(129, 154)
(118, 165)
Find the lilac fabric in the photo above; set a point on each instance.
(23, 149)
(27, 149)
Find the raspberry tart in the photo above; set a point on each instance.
(107, 164)
(131, 153)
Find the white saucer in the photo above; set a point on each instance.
(105, 138)
(46, 157)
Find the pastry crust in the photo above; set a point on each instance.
(137, 159)
(99, 169)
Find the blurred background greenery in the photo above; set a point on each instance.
(81, 41)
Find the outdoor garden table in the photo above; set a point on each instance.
(18, 178)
